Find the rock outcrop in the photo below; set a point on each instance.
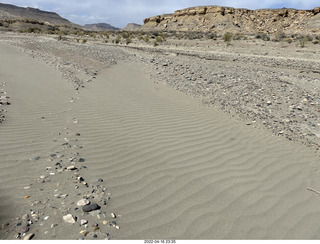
(216, 18)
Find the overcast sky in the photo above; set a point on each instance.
(121, 12)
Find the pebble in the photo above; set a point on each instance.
(83, 202)
(113, 215)
(71, 167)
(69, 219)
(25, 216)
(83, 222)
(105, 222)
(54, 225)
(34, 159)
(25, 229)
(28, 237)
(100, 180)
(91, 207)
(4, 225)
(84, 232)
(46, 218)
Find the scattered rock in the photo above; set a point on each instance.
(83, 222)
(25, 229)
(54, 225)
(25, 216)
(69, 219)
(91, 207)
(4, 225)
(71, 167)
(83, 202)
(28, 237)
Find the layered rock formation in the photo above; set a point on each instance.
(216, 18)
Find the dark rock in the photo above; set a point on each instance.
(91, 207)
(100, 180)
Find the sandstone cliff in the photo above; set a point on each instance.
(216, 18)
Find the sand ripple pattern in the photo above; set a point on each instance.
(178, 170)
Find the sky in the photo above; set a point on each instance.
(121, 12)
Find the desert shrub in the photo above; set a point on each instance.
(118, 39)
(303, 41)
(288, 40)
(128, 41)
(146, 38)
(238, 36)
(263, 36)
(159, 39)
(33, 30)
(212, 36)
(84, 40)
(227, 37)
(92, 34)
(125, 34)
(279, 37)
(155, 43)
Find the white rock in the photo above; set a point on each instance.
(83, 202)
(83, 222)
(71, 167)
(69, 219)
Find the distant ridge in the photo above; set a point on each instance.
(100, 27)
(11, 12)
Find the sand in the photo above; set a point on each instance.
(174, 168)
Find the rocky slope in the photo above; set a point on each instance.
(216, 18)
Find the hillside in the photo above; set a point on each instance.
(11, 12)
(131, 27)
(216, 18)
(100, 27)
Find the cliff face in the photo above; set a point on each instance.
(216, 18)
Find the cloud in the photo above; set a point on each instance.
(121, 12)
